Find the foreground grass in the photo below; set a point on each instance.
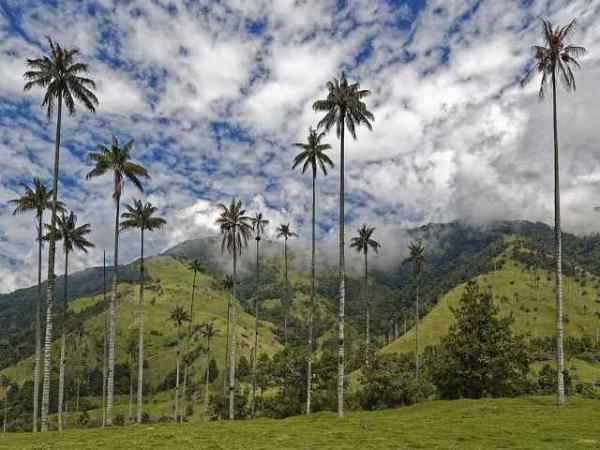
(526, 423)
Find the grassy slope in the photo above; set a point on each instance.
(531, 423)
(172, 287)
(515, 291)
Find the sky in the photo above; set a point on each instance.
(214, 94)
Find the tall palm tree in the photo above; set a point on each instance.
(344, 108)
(236, 229)
(141, 217)
(556, 59)
(178, 316)
(117, 160)
(60, 75)
(312, 155)
(361, 244)
(258, 226)
(417, 256)
(285, 231)
(36, 198)
(73, 238)
(209, 331)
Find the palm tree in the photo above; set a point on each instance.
(557, 59)
(73, 238)
(344, 107)
(59, 74)
(312, 155)
(361, 244)
(417, 256)
(258, 226)
(178, 316)
(236, 229)
(284, 230)
(117, 160)
(36, 198)
(142, 217)
(209, 331)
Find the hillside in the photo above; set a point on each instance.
(524, 423)
(171, 286)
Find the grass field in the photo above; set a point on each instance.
(525, 423)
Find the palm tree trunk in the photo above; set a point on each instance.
(104, 347)
(177, 386)
(226, 365)
(342, 275)
(287, 293)
(232, 339)
(130, 414)
(113, 323)
(207, 380)
(417, 334)
(311, 307)
(255, 354)
(560, 359)
(184, 393)
(38, 331)
(140, 386)
(63, 344)
(51, 279)
(367, 312)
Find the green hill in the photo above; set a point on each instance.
(523, 423)
(525, 294)
(170, 286)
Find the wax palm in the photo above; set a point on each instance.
(557, 59)
(59, 74)
(285, 231)
(362, 243)
(313, 156)
(117, 160)
(259, 223)
(209, 331)
(417, 256)
(236, 229)
(344, 108)
(140, 216)
(73, 238)
(179, 316)
(37, 199)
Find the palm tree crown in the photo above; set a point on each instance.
(258, 225)
(179, 315)
(285, 231)
(141, 216)
(235, 227)
(556, 57)
(313, 153)
(71, 235)
(344, 105)
(36, 198)
(117, 159)
(59, 73)
(196, 266)
(417, 255)
(364, 240)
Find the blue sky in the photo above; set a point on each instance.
(215, 92)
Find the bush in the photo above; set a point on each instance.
(84, 419)
(120, 420)
(547, 380)
(388, 382)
